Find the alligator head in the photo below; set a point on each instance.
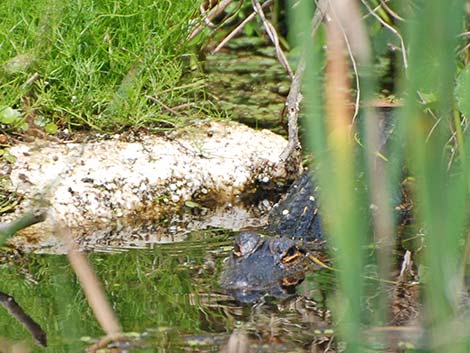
(261, 266)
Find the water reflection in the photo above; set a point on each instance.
(170, 295)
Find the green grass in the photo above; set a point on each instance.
(97, 60)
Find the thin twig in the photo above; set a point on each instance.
(184, 106)
(393, 30)
(272, 34)
(375, 9)
(292, 150)
(205, 17)
(30, 80)
(390, 11)
(215, 11)
(239, 28)
(464, 48)
(156, 100)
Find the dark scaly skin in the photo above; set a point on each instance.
(274, 266)
(260, 266)
(296, 216)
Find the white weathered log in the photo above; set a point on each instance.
(116, 192)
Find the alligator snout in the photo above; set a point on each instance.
(261, 266)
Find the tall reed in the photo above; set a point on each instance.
(357, 185)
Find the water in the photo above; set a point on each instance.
(169, 296)
(249, 84)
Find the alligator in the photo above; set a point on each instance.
(274, 265)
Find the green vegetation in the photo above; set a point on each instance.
(69, 64)
(97, 64)
(431, 144)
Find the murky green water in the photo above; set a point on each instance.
(249, 84)
(169, 295)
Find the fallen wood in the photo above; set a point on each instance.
(151, 189)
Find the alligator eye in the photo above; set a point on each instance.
(289, 283)
(291, 255)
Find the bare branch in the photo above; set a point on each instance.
(215, 11)
(292, 150)
(239, 28)
(393, 30)
(156, 100)
(272, 34)
(390, 11)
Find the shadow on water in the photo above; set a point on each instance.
(168, 295)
